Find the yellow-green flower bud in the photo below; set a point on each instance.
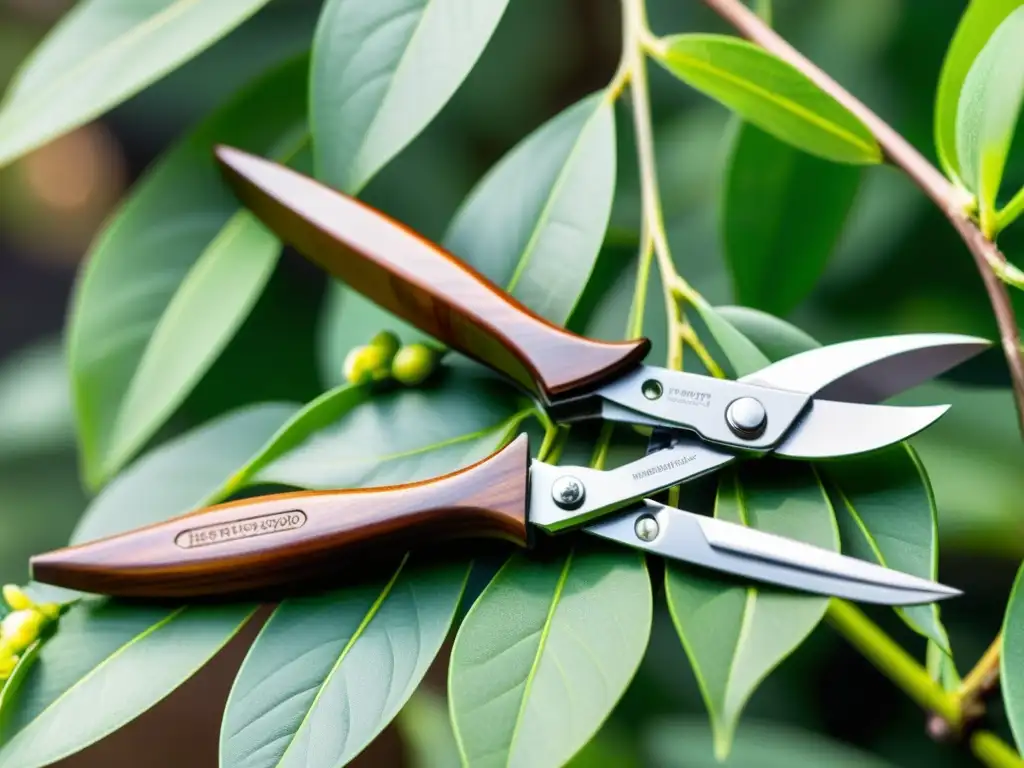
(413, 364)
(365, 364)
(388, 343)
(7, 664)
(15, 598)
(51, 611)
(21, 628)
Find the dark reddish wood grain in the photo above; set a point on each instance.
(237, 546)
(422, 283)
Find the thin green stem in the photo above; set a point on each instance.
(604, 441)
(894, 662)
(1013, 209)
(993, 751)
(636, 36)
(691, 338)
(635, 325)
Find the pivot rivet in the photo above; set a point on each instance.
(652, 389)
(746, 417)
(568, 492)
(646, 528)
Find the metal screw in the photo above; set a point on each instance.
(646, 528)
(652, 389)
(568, 492)
(746, 417)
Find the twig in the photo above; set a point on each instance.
(951, 200)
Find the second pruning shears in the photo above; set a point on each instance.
(814, 405)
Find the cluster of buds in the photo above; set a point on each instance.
(385, 357)
(22, 626)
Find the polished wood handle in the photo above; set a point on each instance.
(422, 283)
(279, 539)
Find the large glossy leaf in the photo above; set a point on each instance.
(687, 743)
(769, 93)
(382, 71)
(734, 633)
(987, 113)
(782, 214)
(886, 514)
(101, 53)
(405, 435)
(329, 671)
(182, 474)
(979, 21)
(1011, 660)
(172, 276)
(108, 663)
(533, 225)
(546, 652)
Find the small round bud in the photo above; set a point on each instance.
(413, 364)
(51, 611)
(15, 598)
(388, 343)
(21, 628)
(7, 664)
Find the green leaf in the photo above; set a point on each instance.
(545, 653)
(108, 663)
(774, 337)
(1011, 661)
(783, 212)
(382, 71)
(533, 224)
(101, 53)
(181, 474)
(735, 635)
(401, 436)
(886, 514)
(687, 743)
(328, 672)
(172, 276)
(741, 353)
(979, 21)
(987, 113)
(769, 93)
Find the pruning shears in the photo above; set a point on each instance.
(818, 404)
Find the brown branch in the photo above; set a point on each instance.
(951, 200)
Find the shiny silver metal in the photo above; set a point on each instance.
(804, 396)
(746, 417)
(646, 528)
(568, 492)
(741, 551)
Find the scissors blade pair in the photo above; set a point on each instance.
(746, 552)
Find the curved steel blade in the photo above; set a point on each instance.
(830, 428)
(765, 557)
(869, 370)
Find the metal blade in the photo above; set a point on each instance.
(869, 370)
(829, 428)
(764, 557)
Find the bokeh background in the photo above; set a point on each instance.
(899, 268)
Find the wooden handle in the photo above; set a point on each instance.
(278, 539)
(420, 282)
